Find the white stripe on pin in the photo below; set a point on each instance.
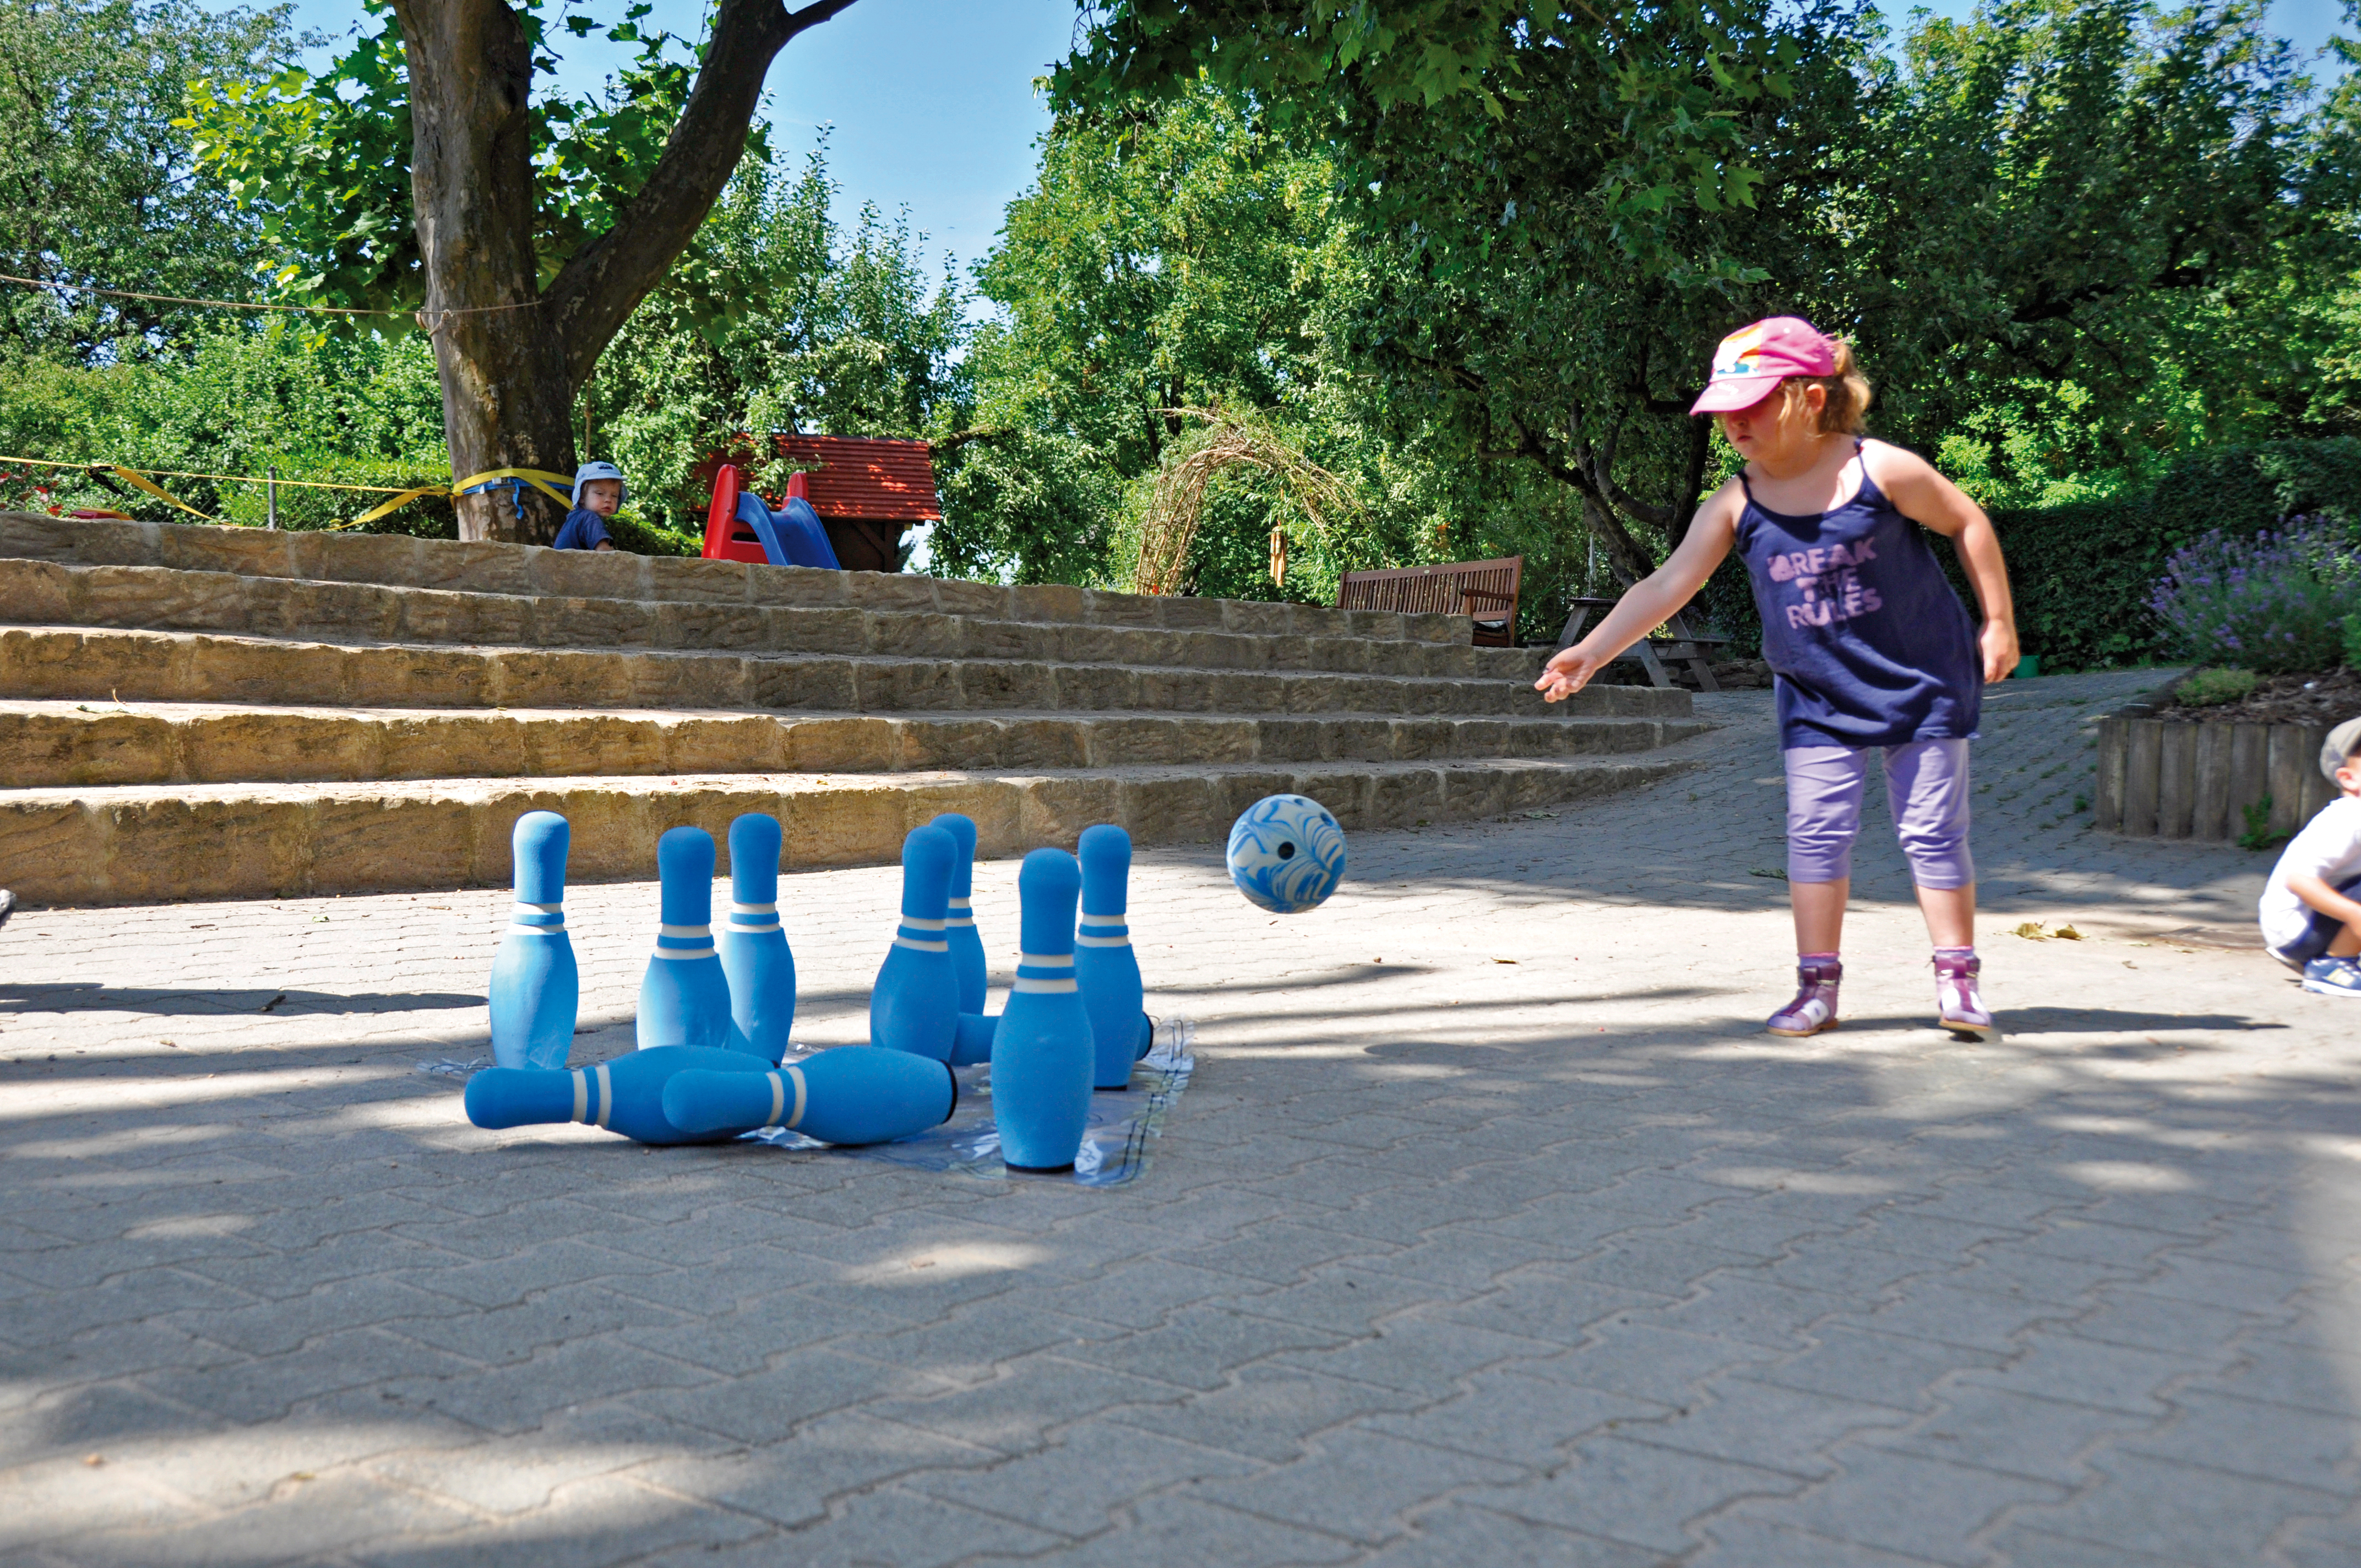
(918, 947)
(581, 1095)
(684, 952)
(798, 1074)
(1047, 960)
(778, 1099)
(679, 931)
(606, 1095)
(754, 909)
(1030, 986)
(556, 931)
(541, 908)
(1103, 941)
(916, 924)
(1104, 919)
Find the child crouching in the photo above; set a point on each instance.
(2311, 906)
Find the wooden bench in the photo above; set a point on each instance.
(1484, 591)
(1683, 647)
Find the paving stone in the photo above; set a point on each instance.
(1356, 1484)
(2178, 1511)
(1633, 1492)
(1905, 1503)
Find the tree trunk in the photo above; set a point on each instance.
(507, 400)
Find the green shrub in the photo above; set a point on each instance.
(637, 537)
(2083, 574)
(2353, 640)
(2210, 689)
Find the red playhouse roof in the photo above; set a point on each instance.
(859, 477)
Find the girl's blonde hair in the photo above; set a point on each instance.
(1846, 412)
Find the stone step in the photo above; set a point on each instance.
(172, 599)
(239, 840)
(66, 744)
(398, 561)
(84, 664)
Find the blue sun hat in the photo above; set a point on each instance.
(589, 471)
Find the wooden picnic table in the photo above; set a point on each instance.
(1694, 649)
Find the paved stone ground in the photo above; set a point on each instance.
(1492, 1231)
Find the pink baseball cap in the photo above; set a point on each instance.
(1750, 362)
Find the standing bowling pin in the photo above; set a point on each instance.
(754, 955)
(1042, 1057)
(625, 1095)
(854, 1094)
(537, 990)
(684, 997)
(915, 1005)
(1104, 966)
(967, 948)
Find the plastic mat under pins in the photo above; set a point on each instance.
(1114, 1146)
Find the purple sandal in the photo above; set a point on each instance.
(1957, 998)
(1815, 1007)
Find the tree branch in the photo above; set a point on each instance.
(606, 279)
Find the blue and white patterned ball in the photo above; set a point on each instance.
(1287, 854)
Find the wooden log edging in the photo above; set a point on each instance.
(2191, 779)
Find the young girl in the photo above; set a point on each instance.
(1870, 646)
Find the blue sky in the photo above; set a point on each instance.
(931, 102)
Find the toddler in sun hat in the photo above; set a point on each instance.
(1872, 650)
(2310, 909)
(597, 496)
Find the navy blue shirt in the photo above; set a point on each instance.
(1870, 645)
(584, 530)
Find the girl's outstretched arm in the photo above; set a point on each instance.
(1926, 497)
(1645, 605)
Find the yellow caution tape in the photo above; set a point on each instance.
(156, 490)
(533, 477)
(402, 499)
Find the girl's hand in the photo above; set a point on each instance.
(1568, 671)
(1999, 642)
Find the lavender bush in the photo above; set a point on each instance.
(2274, 602)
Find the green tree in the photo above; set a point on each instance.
(96, 181)
(831, 331)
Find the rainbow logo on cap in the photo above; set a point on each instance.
(1735, 356)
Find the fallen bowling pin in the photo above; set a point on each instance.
(973, 1043)
(1043, 1057)
(914, 1006)
(967, 948)
(536, 989)
(625, 1095)
(685, 995)
(1105, 967)
(755, 958)
(854, 1094)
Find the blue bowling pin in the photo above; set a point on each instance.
(967, 948)
(755, 954)
(1104, 966)
(854, 1094)
(973, 1044)
(1042, 1054)
(684, 997)
(625, 1095)
(915, 1005)
(537, 990)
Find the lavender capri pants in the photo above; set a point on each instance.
(1926, 781)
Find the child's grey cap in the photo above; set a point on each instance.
(2342, 741)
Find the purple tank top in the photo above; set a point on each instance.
(1870, 645)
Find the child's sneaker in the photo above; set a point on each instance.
(2333, 977)
(1957, 999)
(1815, 1007)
